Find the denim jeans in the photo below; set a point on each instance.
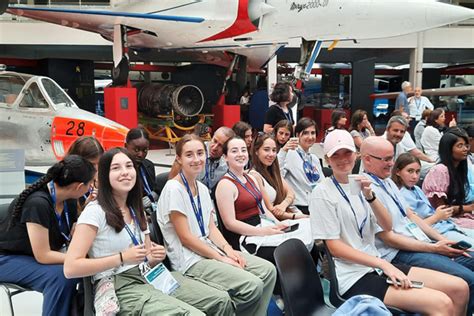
(461, 266)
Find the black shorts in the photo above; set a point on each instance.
(373, 284)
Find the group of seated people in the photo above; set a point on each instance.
(226, 205)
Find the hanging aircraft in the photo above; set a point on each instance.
(38, 116)
(216, 31)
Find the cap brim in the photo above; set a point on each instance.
(341, 146)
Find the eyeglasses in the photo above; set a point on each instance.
(461, 146)
(384, 159)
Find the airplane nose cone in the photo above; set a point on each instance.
(439, 13)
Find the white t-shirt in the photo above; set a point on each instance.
(291, 167)
(332, 218)
(418, 105)
(174, 197)
(430, 142)
(107, 241)
(271, 192)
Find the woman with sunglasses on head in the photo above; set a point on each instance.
(112, 244)
(35, 235)
(277, 194)
(300, 168)
(241, 283)
(348, 221)
(137, 143)
(88, 147)
(448, 183)
(406, 174)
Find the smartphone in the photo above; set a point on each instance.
(462, 245)
(291, 228)
(294, 139)
(414, 284)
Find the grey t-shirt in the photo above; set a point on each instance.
(332, 218)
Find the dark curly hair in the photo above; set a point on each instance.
(71, 169)
(281, 92)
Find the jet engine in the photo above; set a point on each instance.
(170, 99)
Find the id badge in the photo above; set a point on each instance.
(161, 278)
(265, 221)
(154, 206)
(416, 231)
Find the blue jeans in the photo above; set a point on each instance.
(45, 278)
(461, 266)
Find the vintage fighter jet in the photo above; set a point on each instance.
(39, 117)
(215, 31)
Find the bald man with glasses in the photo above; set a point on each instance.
(411, 241)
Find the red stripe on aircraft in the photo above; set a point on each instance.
(241, 25)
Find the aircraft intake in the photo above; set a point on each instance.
(160, 99)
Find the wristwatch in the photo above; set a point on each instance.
(372, 199)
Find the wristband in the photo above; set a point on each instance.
(121, 259)
(372, 199)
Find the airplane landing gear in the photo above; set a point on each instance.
(120, 73)
(309, 52)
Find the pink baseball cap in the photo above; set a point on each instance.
(336, 140)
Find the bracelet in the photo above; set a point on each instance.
(121, 259)
(371, 199)
(294, 216)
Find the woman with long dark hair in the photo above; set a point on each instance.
(277, 194)
(447, 183)
(338, 121)
(283, 131)
(36, 233)
(137, 143)
(360, 127)
(113, 232)
(406, 174)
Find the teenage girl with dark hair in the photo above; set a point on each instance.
(338, 121)
(113, 232)
(282, 95)
(282, 132)
(37, 231)
(447, 182)
(137, 143)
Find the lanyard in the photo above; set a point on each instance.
(137, 226)
(419, 197)
(344, 195)
(209, 170)
(146, 186)
(58, 216)
(257, 195)
(286, 114)
(308, 168)
(197, 209)
(397, 202)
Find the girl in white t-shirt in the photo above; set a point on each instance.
(197, 248)
(113, 231)
(348, 224)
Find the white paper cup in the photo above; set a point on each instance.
(354, 184)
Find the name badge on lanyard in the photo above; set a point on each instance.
(158, 276)
(310, 171)
(409, 225)
(59, 217)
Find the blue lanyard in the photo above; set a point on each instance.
(286, 114)
(418, 196)
(308, 168)
(137, 225)
(257, 195)
(58, 216)
(397, 202)
(197, 209)
(344, 195)
(146, 186)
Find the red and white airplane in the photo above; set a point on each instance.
(214, 31)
